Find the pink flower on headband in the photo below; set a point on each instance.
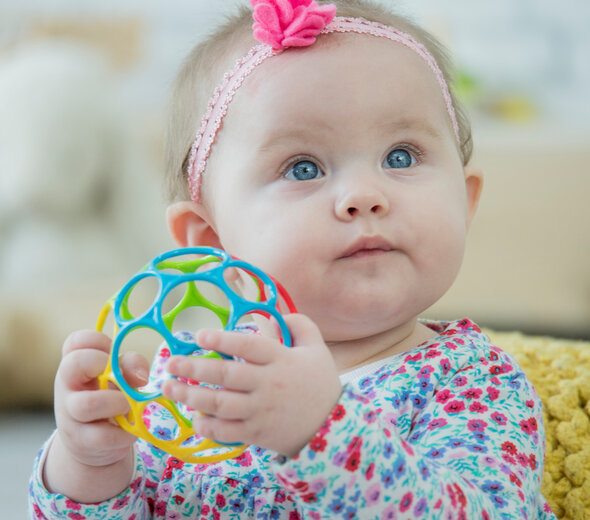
(290, 23)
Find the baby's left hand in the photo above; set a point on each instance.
(278, 399)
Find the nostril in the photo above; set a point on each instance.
(376, 208)
(352, 211)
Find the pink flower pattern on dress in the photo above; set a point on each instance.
(405, 441)
(290, 23)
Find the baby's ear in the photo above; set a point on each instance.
(190, 225)
(473, 185)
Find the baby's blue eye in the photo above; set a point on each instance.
(399, 158)
(304, 171)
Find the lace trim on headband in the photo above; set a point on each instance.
(216, 111)
(233, 80)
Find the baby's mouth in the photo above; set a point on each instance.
(367, 246)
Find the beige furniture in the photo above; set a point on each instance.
(527, 263)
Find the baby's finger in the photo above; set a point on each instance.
(91, 405)
(231, 375)
(135, 369)
(219, 403)
(80, 368)
(86, 339)
(304, 331)
(250, 347)
(222, 430)
(108, 441)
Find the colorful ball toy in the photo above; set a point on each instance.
(188, 266)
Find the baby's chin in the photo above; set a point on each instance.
(357, 327)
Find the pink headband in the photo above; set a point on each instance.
(280, 24)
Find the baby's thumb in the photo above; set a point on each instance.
(303, 330)
(135, 369)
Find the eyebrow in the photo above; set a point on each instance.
(420, 125)
(290, 134)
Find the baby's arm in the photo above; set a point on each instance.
(277, 400)
(90, 459)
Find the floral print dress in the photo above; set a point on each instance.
(449, 429)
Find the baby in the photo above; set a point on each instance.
(332, 154)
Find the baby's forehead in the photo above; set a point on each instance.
(347, 60)
(366, 76)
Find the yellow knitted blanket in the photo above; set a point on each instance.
(560, 372)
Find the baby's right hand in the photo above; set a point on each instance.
(88, 441)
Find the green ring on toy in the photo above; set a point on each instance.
(267, 304)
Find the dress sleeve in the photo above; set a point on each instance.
(445, 434)
(132, 503)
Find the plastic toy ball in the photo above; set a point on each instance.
(185, 268)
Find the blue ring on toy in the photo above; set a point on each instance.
(152, 318)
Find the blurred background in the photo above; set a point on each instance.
(83, 88)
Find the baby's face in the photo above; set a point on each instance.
(337, 171)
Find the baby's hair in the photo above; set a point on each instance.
(204, 67)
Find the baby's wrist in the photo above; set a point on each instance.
(63, 473)
(320, 423)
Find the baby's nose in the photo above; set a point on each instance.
(362, 202)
